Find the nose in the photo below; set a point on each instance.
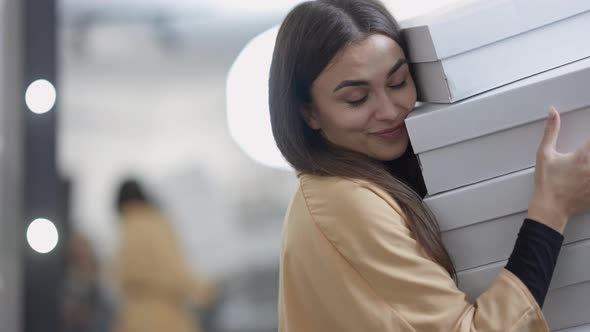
(386, 108)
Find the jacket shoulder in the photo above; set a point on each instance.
(345, 201)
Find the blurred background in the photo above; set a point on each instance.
(171, 93)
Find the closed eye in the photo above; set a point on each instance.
(398, 86)
(358, 102)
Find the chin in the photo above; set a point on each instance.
(392, 152)
(391, 156)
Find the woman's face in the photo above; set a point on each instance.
(361, 99)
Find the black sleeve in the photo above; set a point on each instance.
(534, 256)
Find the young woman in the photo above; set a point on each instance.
(157, 284)
(360, 251)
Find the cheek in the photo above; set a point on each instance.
(346, 120)
(356, 122)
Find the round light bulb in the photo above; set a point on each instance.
(40, 96)
(42, 235)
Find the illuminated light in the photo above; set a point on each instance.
(40, 96)
(247, 101)
(42, 235)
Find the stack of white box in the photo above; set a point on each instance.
(497, 67)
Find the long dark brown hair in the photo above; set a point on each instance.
(308, 39)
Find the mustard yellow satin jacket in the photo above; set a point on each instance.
(157, 284)
(350, 264)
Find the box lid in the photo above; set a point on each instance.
(447, 33)
(493, 240)
(569, 270)
(433, 126)
(462, 207)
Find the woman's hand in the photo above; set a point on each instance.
(562, 180)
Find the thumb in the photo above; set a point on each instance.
(552, 126)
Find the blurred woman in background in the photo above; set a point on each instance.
(156, 283)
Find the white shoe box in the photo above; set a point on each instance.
(498, 132)
(480, 223)
(568, 307)
(572, 268)
(495, 239)
(579, 328)
(487, 44)
(568, 301)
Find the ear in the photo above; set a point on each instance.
(310, 116)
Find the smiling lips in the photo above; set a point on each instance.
(390, 133)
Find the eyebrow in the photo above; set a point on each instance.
(391, 71)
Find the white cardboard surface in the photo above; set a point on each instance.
(474, 24)
(483, 201)
(433, 126)
(480, 222)
(580, 328)
(493, 240)
(567, 307)
(494, 65)
(572, 268)
(500, 153)
(474, 140)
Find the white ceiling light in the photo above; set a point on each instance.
(247, 101)
(40, 96)
(42, 235)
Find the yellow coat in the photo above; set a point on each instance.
(350, 264)
(157, 285)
